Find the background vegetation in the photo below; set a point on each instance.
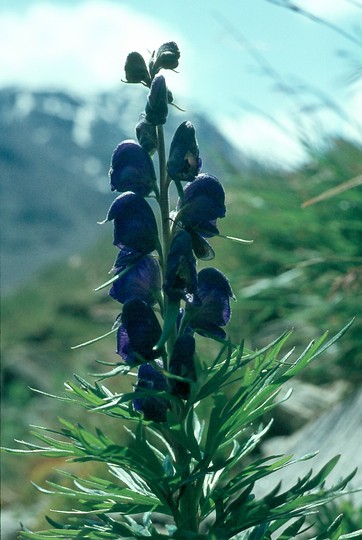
(303, 270)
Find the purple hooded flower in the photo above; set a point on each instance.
(153, 407)
(182, 364)
(157, 102)
(147, 135)
(181, 277)
(214, 291)
(134, 223)
(136, 70)
(125, 257)
(138, 333)
(166, 57)
(184, 163)
(141, 281)
(203, 203)
(132, 169)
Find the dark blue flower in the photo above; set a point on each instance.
(138, 333)
(182, 364)
(142, 280)
(132, 169)
(157, 102)
(214, 291)
(181, 276)
(154, 408)
(147, 135)
(136, 70)
(125, 257)
(184, 163)
(202, 204)
(134, 223)
(166, 57)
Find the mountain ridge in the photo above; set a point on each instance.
(55, 151)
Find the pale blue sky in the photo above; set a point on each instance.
(226, 46)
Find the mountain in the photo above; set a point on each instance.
(55, 151)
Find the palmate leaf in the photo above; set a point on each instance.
(35, 449)
(88, 529)
(109, 529)
(132, 480)
(85, 446)
(314, 350)
(98, 495)
(279, 508)
(93, 396)
(257, 390)
(127, 503)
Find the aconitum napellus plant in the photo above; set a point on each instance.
(189, 469)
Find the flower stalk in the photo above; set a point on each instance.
(192, 421)
(164, 194)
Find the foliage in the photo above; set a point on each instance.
(304, 267)
(206, 455)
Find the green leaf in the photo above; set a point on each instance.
(94, 340)
(292, 530)
(329, 534)
(131, 479)
(322, 474)
(355, 534)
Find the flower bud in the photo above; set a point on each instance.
(203, 203)
(182, 365)
(141, 281)
(181, 277)
(147, 135)
(136, 70)
(166, 57)
(154, 408)
(132, 169)
(184, 163)
(138, 333)
(157, 102)
(134, 223)
(214, 291)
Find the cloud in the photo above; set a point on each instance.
(283, 139)
(81, 47)
(261, 139)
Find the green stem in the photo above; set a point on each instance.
(189, 510)
(164, 195)
(164, 203)
(186, 517)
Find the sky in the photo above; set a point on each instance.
(271, 79)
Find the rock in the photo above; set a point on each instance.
(306, 403)
(335, 432)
